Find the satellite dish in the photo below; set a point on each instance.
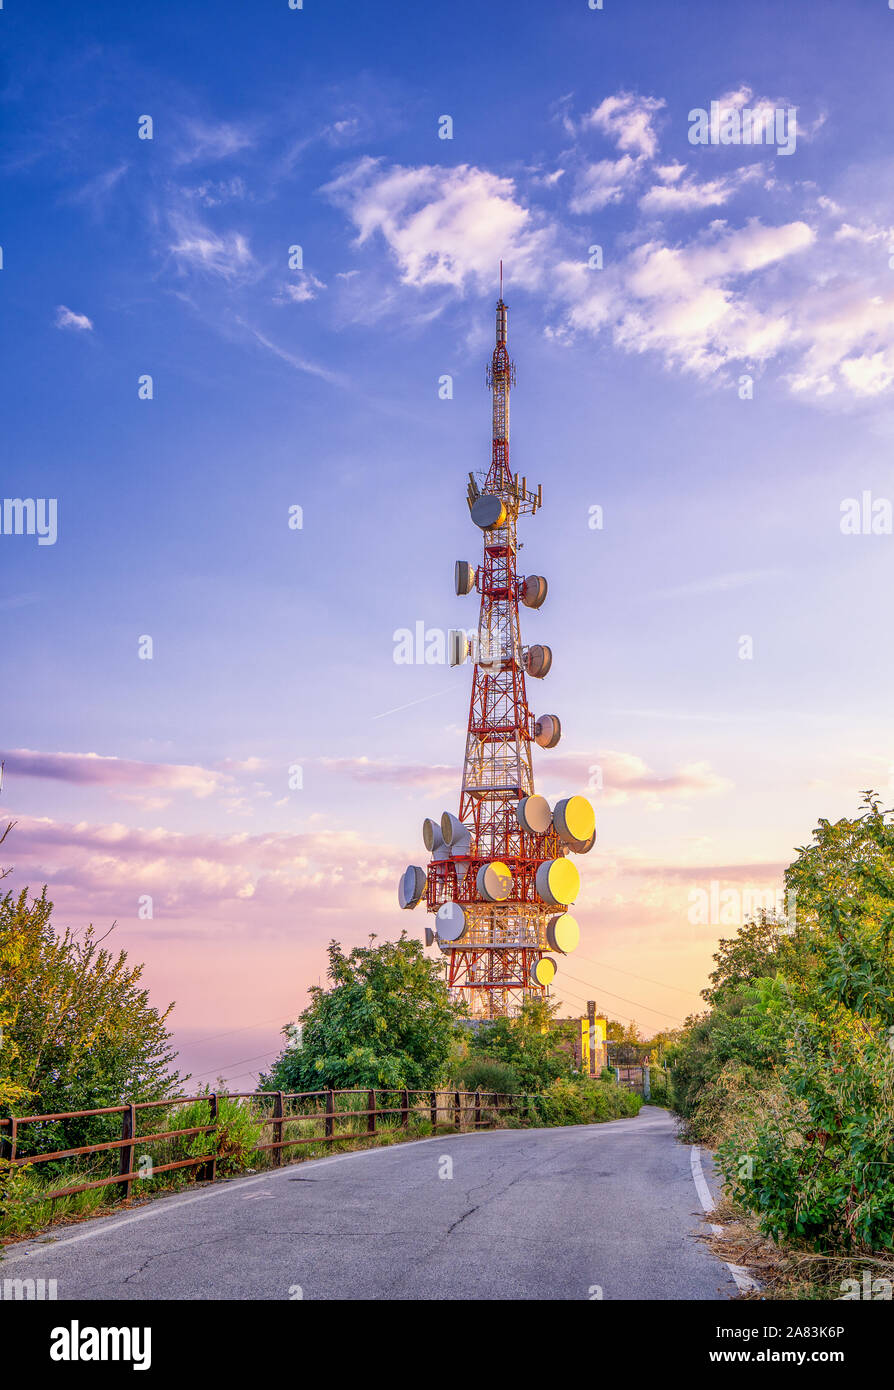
(533, 814)
(457, 646)
(411, 886)
(452, 828)
(494, 882)
(575, 820)
(547, 731)
(431, 835)
(488, 511)
(450, 922)
(463, 577)
(543, 971)
(563, 933)
(429, 937)
(534, 591)
(558, 882)
(538, 661)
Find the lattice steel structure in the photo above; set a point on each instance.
(495, 952)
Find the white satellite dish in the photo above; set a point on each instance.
(533, 814)
(411, 887)
(463, 577)
(457, 646)
(450, 922)
(431, 834)
(494, 881)
(547, 731)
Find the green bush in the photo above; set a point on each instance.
(233, 1144)
(487, 1074)
(581, 1101)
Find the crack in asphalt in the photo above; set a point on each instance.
(452, 1227)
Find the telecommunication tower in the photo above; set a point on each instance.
(499, 880)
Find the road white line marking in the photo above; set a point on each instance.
(99, 1230)
(162, 1205)
(744, 1281)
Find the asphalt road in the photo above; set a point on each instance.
(526, 1214)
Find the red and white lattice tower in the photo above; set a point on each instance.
(499, 880)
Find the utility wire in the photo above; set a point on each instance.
(645, 978)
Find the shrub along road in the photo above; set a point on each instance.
(526, 1214)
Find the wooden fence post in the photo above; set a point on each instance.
(434, 1112)
(8, 1143)
(477, 1109)
(330, 1111)
(125, 1153)
(209, 1172)
(457, 1111)
(278, 1112)
(371, 1117)
(404, 1108)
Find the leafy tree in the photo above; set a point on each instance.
(78, 1030)
(386, 1021)
(798, 1040)
(532, 1044)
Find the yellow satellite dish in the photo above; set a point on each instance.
(558, 882)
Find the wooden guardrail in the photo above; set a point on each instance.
(484, 1107)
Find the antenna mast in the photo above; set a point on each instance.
(499, 881)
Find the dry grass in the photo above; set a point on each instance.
(786, 1272)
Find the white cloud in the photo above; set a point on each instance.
(690, 195)
(597, 185)
(197, 247)
(810, 294)
(628, 120)
(208, 140)
(300, 290)
(685, 302)
(67, 318)
(444, 227)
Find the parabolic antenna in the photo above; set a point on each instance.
(534, 591)
(538, 661)
(452, 828)
(494, 881)
(463, 577)
(563, 933)
(488, 511)
(543, 971)
(558, 882)
(450, 922)
(429, 937)
(431, 835)
(411, 886)
(533, 814)
(547, 731)
(457, 646)
(574, 819)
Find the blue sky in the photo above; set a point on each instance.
(318, 388)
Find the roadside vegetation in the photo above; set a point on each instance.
(78, 1032)
(789, 1072)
